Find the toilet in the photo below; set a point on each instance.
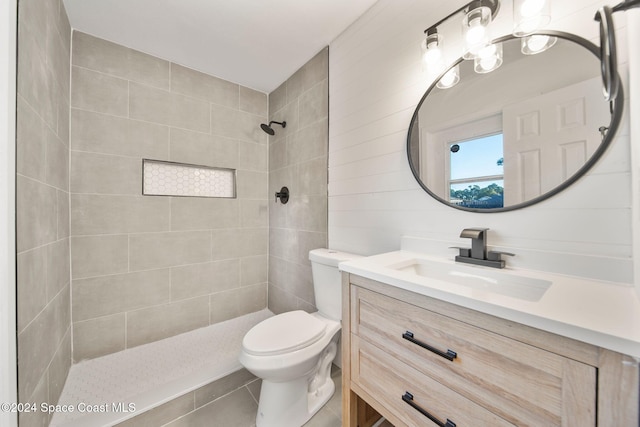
(292, 352)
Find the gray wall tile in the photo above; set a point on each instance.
(237, 124)
(101, 296)
(192, 213)
(99, 92)
(223, 386)
(105, 174)
(59, 368)
(98, 214)
(203, 149)
(63, 214)
(98, 337)
(58, 267)
(36, 214)
(298, 157)
(99, 255)
(253, 156)
(252, 185)
(154, 323)
(102, 133)
(32, 135)
(159, 106)
(159, 250)
(253, 101)
(57, 166)
(237, 409)
(254, 213)
(32, 285)
(253, 270)
(110, 58)
(195, 84)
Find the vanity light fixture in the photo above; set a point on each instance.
(450, 79)
(489, 58)
(530, 16)
(432, 49)
(475, 26)
(536, 43)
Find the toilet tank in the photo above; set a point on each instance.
(327, 280)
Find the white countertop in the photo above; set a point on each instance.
(604, 314)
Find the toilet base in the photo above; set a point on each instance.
(293, 403)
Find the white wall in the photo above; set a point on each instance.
(8, 384)
(376, 80)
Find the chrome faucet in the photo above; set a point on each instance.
(478, 254)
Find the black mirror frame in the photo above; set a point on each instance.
(616, 107)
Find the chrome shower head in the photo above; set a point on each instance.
(268, 129)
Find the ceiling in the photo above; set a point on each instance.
(255, 43)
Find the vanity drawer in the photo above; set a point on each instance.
(399, 386)
(521, 383)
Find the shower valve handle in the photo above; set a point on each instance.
(283, 195)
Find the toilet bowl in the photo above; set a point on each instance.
(292, 352)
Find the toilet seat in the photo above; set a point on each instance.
(283, 333)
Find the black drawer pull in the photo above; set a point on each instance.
(408, 398)
(449, 355)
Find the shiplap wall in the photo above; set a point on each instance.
(376, 80)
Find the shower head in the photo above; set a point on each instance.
(268, 129)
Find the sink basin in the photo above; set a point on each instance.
(476, 278)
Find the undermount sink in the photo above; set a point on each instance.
(475, 278)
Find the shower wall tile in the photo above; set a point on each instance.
(58, 269)
(160, 250)
(98, 337)
(253, 101)
(314, 104)
(32, 285)
(203, 149)
(42, 208)
(105, 174)
(101, 296)
(155, 323)
(252, 185)
(161, 263)
(116, 60)
(63, 214)
(298, 159)
(237, 124)
(253, 270)
(253, 156)
(195, 84)
(38, 342)
(37, 221)
(32, 135)
(254, 213)
(160, 106)
(99, 214)
(102, 133)
(189, 213)
(99, 92)
(164, 413)
(99, 255)
(57, 166)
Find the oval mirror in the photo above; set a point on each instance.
(515, 136)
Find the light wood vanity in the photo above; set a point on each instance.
(420, 361)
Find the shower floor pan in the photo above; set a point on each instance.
(113, 388)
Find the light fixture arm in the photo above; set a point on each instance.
(608, 56)
(493, 5)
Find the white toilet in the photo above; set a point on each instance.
(292, 352)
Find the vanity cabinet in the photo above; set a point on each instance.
(421, 361)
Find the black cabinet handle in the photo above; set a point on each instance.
(449, 355)
(408, 398)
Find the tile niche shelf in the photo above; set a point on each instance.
(161, 178)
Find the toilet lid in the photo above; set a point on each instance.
(283, 333)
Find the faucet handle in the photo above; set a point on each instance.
(464, 252)
(497, 255)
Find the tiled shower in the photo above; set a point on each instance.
(103, 268)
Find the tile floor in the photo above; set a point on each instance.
(239, 408)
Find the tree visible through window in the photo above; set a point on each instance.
(477, 173)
